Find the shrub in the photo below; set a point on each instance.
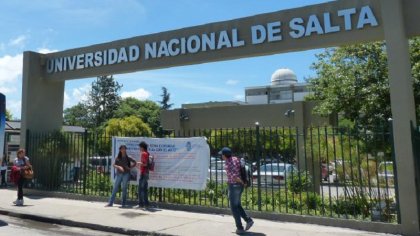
(216, 191)
(313, 201)
(300, 182)
(98, 182)
(50, 157)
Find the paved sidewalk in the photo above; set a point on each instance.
(156, 221)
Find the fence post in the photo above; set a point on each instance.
(258, 150)
(85, 150)
(160, 134)
(391, 132)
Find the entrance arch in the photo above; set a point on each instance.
(323, 25)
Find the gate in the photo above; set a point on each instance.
(319, 171)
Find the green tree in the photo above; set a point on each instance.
(77, 115)
(9, 115)
(353, 81)
(148, 111)
(164, 104)
(127, 125)
(103, 100)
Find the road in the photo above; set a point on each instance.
(17, 226)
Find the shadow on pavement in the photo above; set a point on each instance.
(254, 234)
(22, 205)
(132, 214)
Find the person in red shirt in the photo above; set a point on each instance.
(144, 175)
(236, 187)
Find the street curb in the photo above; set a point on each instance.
(78, 224)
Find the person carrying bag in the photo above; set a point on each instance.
(23, 165)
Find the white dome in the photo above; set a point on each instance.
(283, 77)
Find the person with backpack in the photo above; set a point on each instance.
(123, 164)
(236, 187)
(144, 175)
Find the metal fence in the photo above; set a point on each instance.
(415, 135)
(320, 171)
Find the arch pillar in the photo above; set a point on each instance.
(42, 100)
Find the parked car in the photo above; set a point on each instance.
(101, 164)
(274, 174)
(344, 171)
(212, 159)
(217, 171)
(335, 169)
(386, 172)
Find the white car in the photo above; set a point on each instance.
(274, 174)
(386, 172)
(217, 171)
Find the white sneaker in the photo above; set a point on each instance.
(18, 202)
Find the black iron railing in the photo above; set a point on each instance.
(321, 171)
(415, 135)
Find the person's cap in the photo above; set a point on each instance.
(225, 151)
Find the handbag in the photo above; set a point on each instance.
(28, 173)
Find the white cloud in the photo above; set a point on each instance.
(140, 94)
(18, 42)
(66, 99)
(76, 95)
(10, 70)
(14, 107)
(232, 82)
(82, 92)
(46, 50)
(238, 97)
(7, 90)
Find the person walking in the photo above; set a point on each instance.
(236, 187)
(144, 175)
(122, 164)
(21, 163)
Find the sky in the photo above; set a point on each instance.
(54, 25)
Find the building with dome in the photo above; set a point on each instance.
(284, 88)
(281, 103)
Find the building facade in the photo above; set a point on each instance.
(282, 103)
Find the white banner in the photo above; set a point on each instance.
(179, 162)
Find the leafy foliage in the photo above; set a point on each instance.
(50, 158)
(76, 115)
(353, 81)
(9, 115)
(103, 100)
(300, 182)
(164, 104)
(148, 111)
(127, 125)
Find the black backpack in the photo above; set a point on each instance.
(245, 174)
(151, 163)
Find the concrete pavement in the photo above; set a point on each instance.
(153, 221)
